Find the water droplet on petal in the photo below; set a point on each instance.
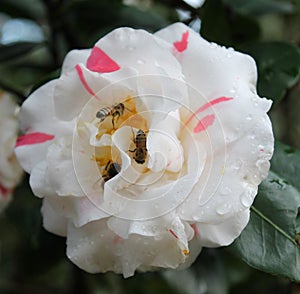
(237, 165)
(223, 209)
(141, 61)
(246, 200)
(249, 117)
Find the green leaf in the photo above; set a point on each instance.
(270, 242)
(24, 9)
(227, 27)
(285, 163)
(278, 67)
(11, 51)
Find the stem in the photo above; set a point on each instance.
(274, 225)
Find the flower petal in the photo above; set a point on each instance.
(52, 221)
(208, 72)
(37, 116)
(222, 234)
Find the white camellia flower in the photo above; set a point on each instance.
(10, 170)
(146, 149)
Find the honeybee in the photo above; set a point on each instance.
(140, 151)
(115, 111)
(110, 170)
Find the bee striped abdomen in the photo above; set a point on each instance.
(103, 113)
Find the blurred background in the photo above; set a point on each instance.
(35, 35)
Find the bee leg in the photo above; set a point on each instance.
(116, 116)
(132, 150)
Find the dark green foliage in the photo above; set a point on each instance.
(278, 67)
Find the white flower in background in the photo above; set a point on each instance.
(147, 148)
(10, 171)
(195, 3)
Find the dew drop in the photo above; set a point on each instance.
(228, 55)
(141, 61)
(223, 209)
(246, 200)
(213, 45)
(237, 165)
(154, 228)
(249, 117)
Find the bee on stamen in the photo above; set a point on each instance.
(116, 111)
(110, 170)
(140, 151)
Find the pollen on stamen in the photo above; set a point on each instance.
(185, 252)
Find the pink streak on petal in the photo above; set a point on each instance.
(100, 62)
(118, 240)
(204, 123)
(83, 81)
(183, 43)
(207, 105)
(33, 138)
(173, 234)
(195, 228)
(4, 191)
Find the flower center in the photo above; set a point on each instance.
(108, 120)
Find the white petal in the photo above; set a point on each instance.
(79, 210)
(127, 47)
(222, 234)
(165, 150)
(37, 113)
(38, 181)
(52, 221)
(37, 116)
(75, 57)
(91, 248)
(211, 69)
(60, 165)
(95, 248)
